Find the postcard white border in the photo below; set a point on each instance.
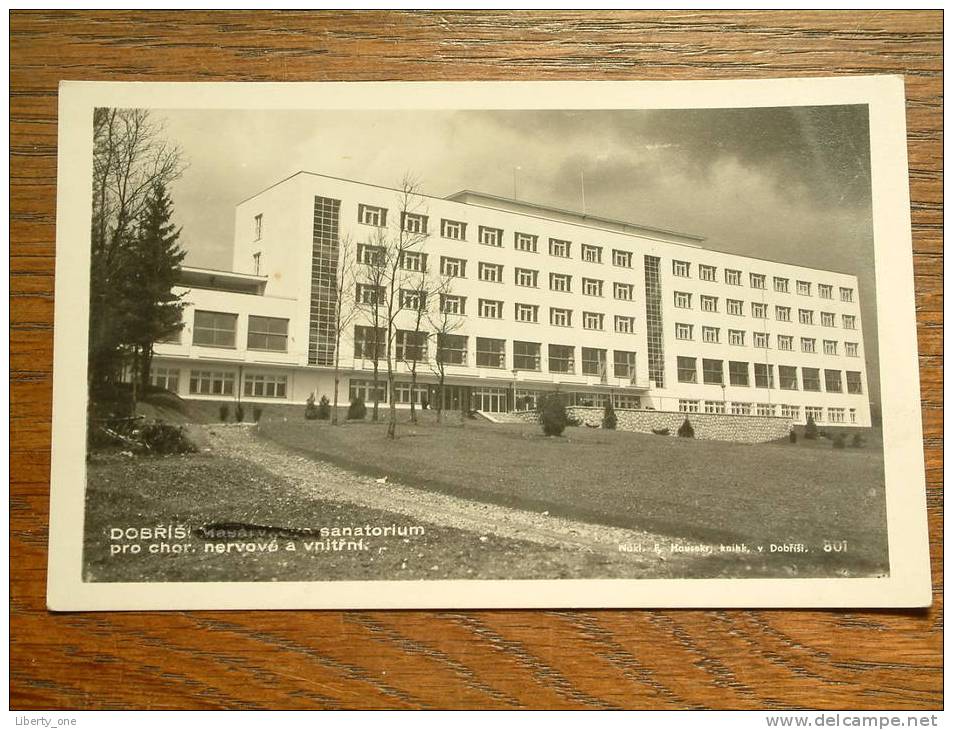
(909, 582)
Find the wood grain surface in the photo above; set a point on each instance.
(426, 659)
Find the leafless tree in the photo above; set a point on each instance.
(345, 308)
(376, 265)
(443, 320)
(416, 350)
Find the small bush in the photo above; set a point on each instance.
(357, 411)
(660, 431)
(839, 441)
(686, 431)
(223, 413)
(810, 430)
(324, 409)
(310, 409)
(256, 413)
(552, 415)
(857, 442)
(239, 413)
(163, 438)
(792, 437)
(608, 417)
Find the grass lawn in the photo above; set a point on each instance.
(708, 491)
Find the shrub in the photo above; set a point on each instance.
(223, 413)
(685, 430)
(310, 409)
(857, 442)
(256, 413)
(239, 413)
(810, 430)
(163, 438)
(839, 441)
(357, 411)
(552, 415)
(324, 409)
(792, 437)
(608, 417)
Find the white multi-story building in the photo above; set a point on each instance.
(541, 299)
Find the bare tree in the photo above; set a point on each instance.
(416, 349)
(377, 265)
(443, 322)
(345, 308)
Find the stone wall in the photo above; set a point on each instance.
(707, 426)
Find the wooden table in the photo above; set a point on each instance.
(639, 659)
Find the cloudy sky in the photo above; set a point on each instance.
(789, 184)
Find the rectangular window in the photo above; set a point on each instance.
(687, 370)
(490, 308)
(854, 383)
(782, 314)
(735, 307)
(733, 277)
(592, 287)
(490, 272)
(525, 242)
(687, 406)
(846, 295)
(624, 325)
(370, 294)
(850, 322)
(622, 258)
(591, 254)
(711, 334)
(593, 361)
(853, 415)
(452, 349)
(835, 415)
(364, 389)
(558, 247)
(830, 347)
(413, 223)
(736, 337)
(759, 310)
(526, 277)
(527, 312)
(371, 215)
(811, 379)
(410, 346)
(266, 386)
(562, 359)
(366, 347)
(683, 300)
(850, 349)
(402, 393)
(526, 355)
(756, 280)
(761, 339)
(413, 261)
(560, 317)
(785, 342)
(681, 268)
(741, 409)
(763, 375)
(168, 378)
(623, 364)
(804, 288)
(825, 291)
(453, 304)
(211, 382)
(827, 319)
(214, 329)
(738, 373)
(370, 255)
(832, 381)
(805, 316)
(714, 406)
(815, 413)
(683, 331)
(713, 372)
(781, 284)
(792, 412)
(706, 273)
(267, 333)
(454, 230)
(808, 344)
(709, 304)
(490, 236)
(560, 282)
(256, 258)
(623, 291)
(490, 353)
(258, 220)
(413, 299)
(787, 377)
(453, 267)
(592, 320)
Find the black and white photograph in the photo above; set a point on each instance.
(486, 347)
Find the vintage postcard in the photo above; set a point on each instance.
(555, 344)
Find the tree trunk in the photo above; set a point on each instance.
(413, 391)
(337, 379)
(374, 413)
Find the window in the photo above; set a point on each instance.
(371, 215)
(761, 339)
(366, 347)
(687, 369)
(453, 304)
(785, 342)
(560, 282)
(792, 412)
(781, 284)
(370, 255)
(683, 331)
(410, 346)
(526, 277)
(709, 304)
(562, 359)
(593, 361)
(832, 381)
(527, 312)
(168, 378)
(757, 281)
(256, 262)
(413, 223)
(370, 294)
(741, 409)
(413, 299)
(687, 406)
(850, 349)
(835, 415)
(804, 288)
(710, 334)
(759, 310)
(763, 375)
(811, 379)
(525, 242)
(850, 322)
(853, 415)
(560, 317)
(490, 272)
(624, 325)
(214, 329)
(258, 220)
(623, 291)
(490, 353)
(805, 316)
(211, 382)
(706, 273)
(623, 364)
(413, 261)
(681, 268)
(526, 355)
(738, 373)
(733, 277)
(591, 254)
(402, 393)
(808, 344)
(490, 236)
(266, 386)
(683, 300)
(814, 413)
(736, 337)
(782, 314)
(364, 389)
(592, 320)
(490, 308)
(830, 347)
(735, 307)
(854, 383)
(453, 267)
(712, 372)
(592, 287)
(454, 230)
(267, 333)
(846, 295)
(825, 291)
(622, 258)
(787, 377)
(827, 319)
(452, 349)
(714, 406)
(558, 247)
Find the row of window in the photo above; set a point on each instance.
(222, 382)
(759, 281)
(219, 329)
(759, 310)
(740, 408)
(712, 335)
(739, 373)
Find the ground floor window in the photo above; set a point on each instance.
(624, 400)
(766, 409)
(835, 415)
(211, 382)
(714, 406)
(588, 400)
(792, 412)
(167, 378)
(741, 409)
(853, 415)
(491, 400)
(526, 400)
(687, 406)
(266, 386)
(814, 413)
(364, 389)
(402, 393)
